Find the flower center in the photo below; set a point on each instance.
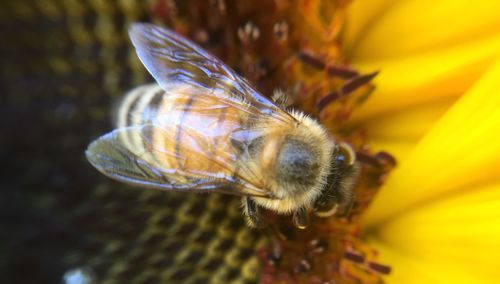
(295, 46)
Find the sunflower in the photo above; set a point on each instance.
(437, 109)
(434, 100)
(433, 58)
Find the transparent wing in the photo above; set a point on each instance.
(154, 165)
(173, 60)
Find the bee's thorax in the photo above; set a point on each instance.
(296, 163)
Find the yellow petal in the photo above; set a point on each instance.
(402, 266)
(428, 77)
(416, 26)
(398, 132)
(406, 124)
(461, 150)
(362, 13)
(461, 232)
(430, 268)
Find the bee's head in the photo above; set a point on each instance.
(337, 194)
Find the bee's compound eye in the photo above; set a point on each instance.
(346, 154)
(340, 158)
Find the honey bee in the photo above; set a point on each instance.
(203, 128)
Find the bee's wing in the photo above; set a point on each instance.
(146, 167)
(173, 60)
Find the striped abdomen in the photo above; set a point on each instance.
(195, 133)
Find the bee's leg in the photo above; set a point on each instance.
(252, 214)
(300, 218)
(326, 205)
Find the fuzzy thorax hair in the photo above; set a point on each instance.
(300, 166)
